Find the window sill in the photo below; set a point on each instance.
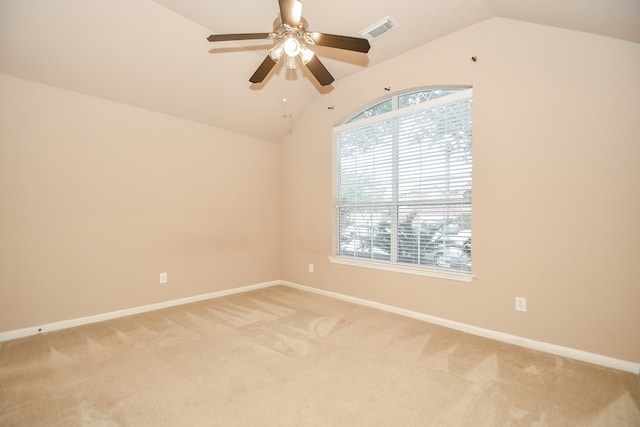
(399, 268)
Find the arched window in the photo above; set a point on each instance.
(404, 182)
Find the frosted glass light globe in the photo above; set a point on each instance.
(291, 46)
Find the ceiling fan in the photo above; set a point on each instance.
(293, 39)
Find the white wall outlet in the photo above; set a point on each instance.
(310, 268)
(163, 278)
(521, 304)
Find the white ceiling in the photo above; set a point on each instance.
(154, 54)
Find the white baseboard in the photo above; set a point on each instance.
(558, 350)
(571, 353)
(35, 330)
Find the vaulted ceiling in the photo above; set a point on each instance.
(154, 54)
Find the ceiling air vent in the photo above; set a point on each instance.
(379, 28)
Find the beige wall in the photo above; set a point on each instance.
(98, 198)
(556, 197)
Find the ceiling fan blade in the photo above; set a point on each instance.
(230, 37)
(263, 70)
(319, 71)
(356, 44)
(290, 12)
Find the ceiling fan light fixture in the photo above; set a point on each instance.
(306, 54)
(290, 62)
(276, 52)
(291, 46)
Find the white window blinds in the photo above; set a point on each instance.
(404, 184)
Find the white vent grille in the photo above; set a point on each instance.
(379, 28)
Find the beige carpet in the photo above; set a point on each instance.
(284, 357)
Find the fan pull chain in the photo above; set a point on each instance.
(286, 89)
(285, 108)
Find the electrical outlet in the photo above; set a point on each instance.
(310, 268)
(163, 278)
(521, 304)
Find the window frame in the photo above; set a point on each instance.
(356, 120)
